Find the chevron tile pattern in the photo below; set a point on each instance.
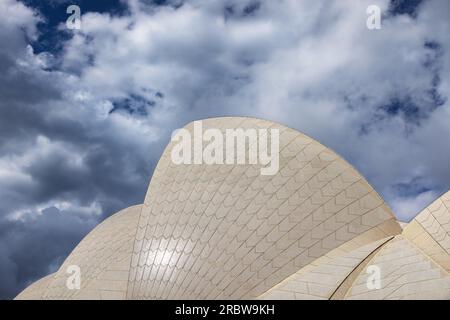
(321, 278)
(430, 231)
(221, 232)
(406, 273)
(225, 231)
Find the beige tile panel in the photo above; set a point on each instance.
(225, 231)
(345, 286)
(424, 241)
(104, 257)
(321, 278)
(406, 273)
(435, 220)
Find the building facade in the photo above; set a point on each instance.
(315, 229)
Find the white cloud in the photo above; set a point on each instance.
(312, 65)
(15, 14)
(408, 207)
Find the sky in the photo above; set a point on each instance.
(85, 114)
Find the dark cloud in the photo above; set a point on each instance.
(54, 13)
(55, 152)
(84, 116)
(135, 104)
(409, 7)
(36, 246)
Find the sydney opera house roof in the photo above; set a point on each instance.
(314, 230)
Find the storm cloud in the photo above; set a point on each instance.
(85, 114)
